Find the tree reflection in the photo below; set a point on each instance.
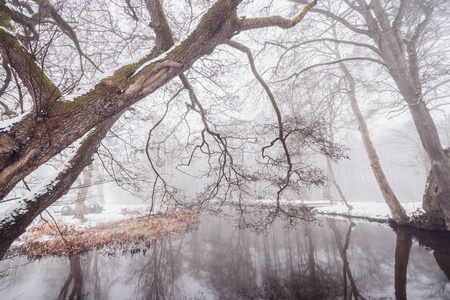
(155, 274)
(402, 250)
(437, 242)
(347, 273)
(336, 260)
(280, 264)
(75, 277)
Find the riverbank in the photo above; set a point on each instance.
(371, 211)
(118, 229)
(131, 228)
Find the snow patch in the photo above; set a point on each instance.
(20, 207)
(160, 57)
(84, 89)
(6, 125)
(370, 210)
(8, 31)
(23, 11)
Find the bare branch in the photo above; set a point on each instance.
(342, 21)
(66, 29)
(281, 136)
(6, 110)
(149, 158)
(296, 74)
(253, 23)
(131, 11)
(337, 41)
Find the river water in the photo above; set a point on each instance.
(330, 259)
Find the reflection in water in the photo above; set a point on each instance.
(75, 279)
(330, 260)
(402, 250)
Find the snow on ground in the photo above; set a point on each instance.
(111, 212)
(378, 211)
(374, 211)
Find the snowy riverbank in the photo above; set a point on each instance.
(373, 211)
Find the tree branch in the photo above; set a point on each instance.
(296, 74)
(253, 23)
(370, 47)
(6, 110)
(45, 5)
(41, 88)
(341, 20)
(281, 136)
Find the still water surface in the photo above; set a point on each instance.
(335, 259)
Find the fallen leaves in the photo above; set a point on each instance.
(130, 235)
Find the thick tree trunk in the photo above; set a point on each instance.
(434, 219)
(35, 139)
(16, 220)
(436, 197)
(439, 195)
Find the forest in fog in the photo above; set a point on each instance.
(198, 104)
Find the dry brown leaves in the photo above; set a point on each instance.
(131, 235)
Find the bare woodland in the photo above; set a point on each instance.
(192, 68)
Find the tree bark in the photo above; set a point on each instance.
(17, 219)
(434, 219)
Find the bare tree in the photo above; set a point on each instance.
(403, 38)
(49, 128)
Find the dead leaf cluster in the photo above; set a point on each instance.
(130, 235)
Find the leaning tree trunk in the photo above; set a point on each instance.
(436, 200)
(335, 183)
(400, 55)
(397, 211)
(11, 228)
(331, 176)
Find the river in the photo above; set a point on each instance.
(328, 259)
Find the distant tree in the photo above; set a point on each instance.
(405, 38)
(83, 188)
